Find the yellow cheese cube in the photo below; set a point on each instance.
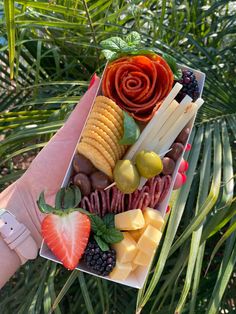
(136, 234)
(126, 249)
(149, 240)
(143, 259)
(153, 217)
(130, 220)
(121, 271)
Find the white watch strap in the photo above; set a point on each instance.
(17, 236)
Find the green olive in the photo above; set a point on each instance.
(149, 164)
(126, 176)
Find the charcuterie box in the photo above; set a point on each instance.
(137, 277)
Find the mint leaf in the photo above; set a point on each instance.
(112, 236)
(97, 224)
(114, 44)
(131, 130)
(108, 219)
(133, 39)
(103, 245)
(173, 65)
(108, 54)
(44, 208)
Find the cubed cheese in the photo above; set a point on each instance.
(136, 234)
(121, 271)
(153, 217)
(126, 249)
(143, 259)
(149, 240)
(130, 220)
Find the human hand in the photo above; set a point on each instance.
(47, 170)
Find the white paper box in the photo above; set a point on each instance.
(138, 277)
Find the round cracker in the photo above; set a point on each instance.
(101, 149)
(109, 116)
(100, 140)
(110, 103)
(107, 122)
(113, 112)
(113, 145)
(96, 158)
(105, 128)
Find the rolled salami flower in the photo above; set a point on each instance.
(138, 84)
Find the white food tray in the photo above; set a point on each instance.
(138, 277)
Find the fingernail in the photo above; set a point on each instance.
(92, 80)
(188, 147)
(184, 178)
(167, 209)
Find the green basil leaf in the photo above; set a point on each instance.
(133, 39)
(112, 236)
(108, 219)
(103, 245)
(109, 54)
(131, 130)
(113, 44)
(44, 208)
(97, 224)
(173, 65)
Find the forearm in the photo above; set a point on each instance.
(13, 199)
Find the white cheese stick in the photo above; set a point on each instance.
(153, 137)
(154, 121)
(167, 140)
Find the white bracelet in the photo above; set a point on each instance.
(17, 236)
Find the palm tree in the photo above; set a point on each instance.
(49, 50)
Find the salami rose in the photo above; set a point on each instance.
(138, 84)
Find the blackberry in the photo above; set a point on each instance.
(190, 86)
(101, 262)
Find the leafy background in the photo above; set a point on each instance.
(48, 52)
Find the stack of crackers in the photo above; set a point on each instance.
(100, 138)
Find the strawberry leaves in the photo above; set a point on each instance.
(66, 201)
(104, 231)
(68, 197)
(45, 208)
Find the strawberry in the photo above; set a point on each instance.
(67, 236)
(65, 229)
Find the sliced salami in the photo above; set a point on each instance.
(103, 203)
(167, 183)
(158, 190)
(86, 204)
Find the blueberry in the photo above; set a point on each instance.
(92, 262)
